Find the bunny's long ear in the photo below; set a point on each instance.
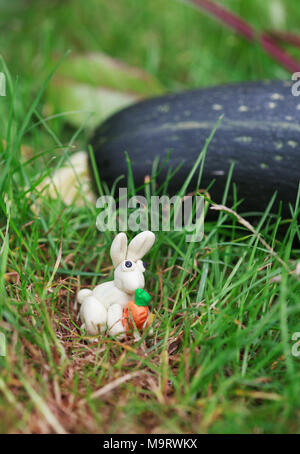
(118, 249)
(140, 245)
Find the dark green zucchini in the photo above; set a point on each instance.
(260, 132)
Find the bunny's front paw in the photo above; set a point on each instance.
(114, 320)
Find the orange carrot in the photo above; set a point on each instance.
(136, 310)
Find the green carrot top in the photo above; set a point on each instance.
(141, 297)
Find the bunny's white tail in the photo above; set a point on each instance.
(83, 294)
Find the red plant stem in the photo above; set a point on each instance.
(228, 18)
(243, 28)
(279, 54)
(287, 37)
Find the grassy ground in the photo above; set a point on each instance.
(220, 358)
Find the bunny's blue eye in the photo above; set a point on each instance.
(128, 264)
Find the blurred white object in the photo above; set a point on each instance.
(71, 182)
(277, 14)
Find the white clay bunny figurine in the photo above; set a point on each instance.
(103, 307)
